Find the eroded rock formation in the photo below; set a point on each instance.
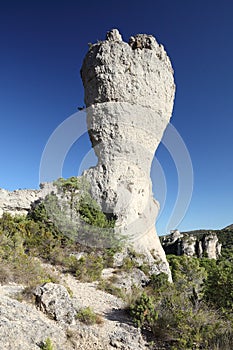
(19, 202)
(199, 245)
(129, 93)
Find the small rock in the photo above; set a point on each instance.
(113, 35)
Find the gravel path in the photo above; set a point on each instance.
(116, 331)
(87, 294)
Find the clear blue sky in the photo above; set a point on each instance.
(42, 47)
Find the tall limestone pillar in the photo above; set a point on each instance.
(129, 94)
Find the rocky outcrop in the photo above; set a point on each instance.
(19, 202)
(127, 338)
(129, 92)
(24, 327)
(53, 299)
(199, 245)
(211, 246)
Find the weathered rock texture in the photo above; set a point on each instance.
(25, 327)
(54, 300)
(199, 245)
(129, 92)
(22, 327)
(19, 202)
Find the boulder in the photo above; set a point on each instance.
(22, 327)
(54, 300)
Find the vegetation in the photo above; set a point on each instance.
(77, 215)
(110, 288)
(143, 311)
(47, 345)
(46, 234)
(88, 268)
(195, 312)
(88, 316)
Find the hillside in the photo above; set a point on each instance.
(57, 293)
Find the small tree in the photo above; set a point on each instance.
(219, 287)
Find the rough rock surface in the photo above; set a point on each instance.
(203, 244)
(54, 300)
(19, 202)
(126, 281)
(129, 92)
(24, 327)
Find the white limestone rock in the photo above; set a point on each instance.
(25, 327)
(54, 300)
(22, 327)
(129, 92)
(195, 245)
(19, 202)
(212, 246)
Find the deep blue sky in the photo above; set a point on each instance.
(42, 47)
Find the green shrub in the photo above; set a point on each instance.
(88, 316)
(89, 268)
(143, 311)
(159, 283)
(37, 235)
(180, 314)
(188, 274)
(171, 317)
(128, 264)
(47, 345)
(219, 287)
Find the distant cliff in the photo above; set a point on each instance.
(195, 243)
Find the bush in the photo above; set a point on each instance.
(219, 287)
(36, 236)
(47, 345)
(178, 313)
(171, 317)
(109, 287)
(88, 316)
(188, 274)
(89, 268)
(143, 311)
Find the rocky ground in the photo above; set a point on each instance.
(24, 326)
